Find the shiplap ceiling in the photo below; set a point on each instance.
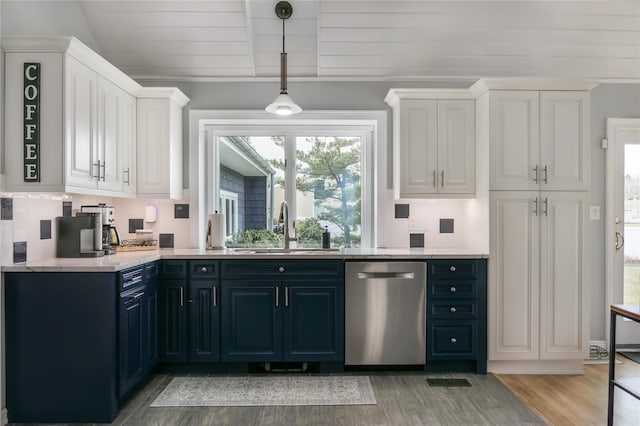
(351, 39)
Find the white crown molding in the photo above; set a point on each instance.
(485, 84)
(73, 47)
(395, 95)
(172, 93)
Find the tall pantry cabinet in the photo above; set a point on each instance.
(539, 177)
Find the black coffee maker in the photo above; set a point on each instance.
(110, 234)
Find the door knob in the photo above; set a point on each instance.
(619, 240)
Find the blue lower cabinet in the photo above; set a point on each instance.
(61, 347)
(204, 320)
(313, 322)
(457, 312)
(151, 317)
(173, 316)
(251, 321)
(132, 335)
(267, 322)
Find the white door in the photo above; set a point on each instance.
(109, 136)
(418, 147)
(564, 279)
(564, 141)
(456, 147)
(622, 222)
(514, 264)
(80, 121)
(515, 142)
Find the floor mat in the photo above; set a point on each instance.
(634, 356)
(266, 391)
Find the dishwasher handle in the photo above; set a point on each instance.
(387, 275)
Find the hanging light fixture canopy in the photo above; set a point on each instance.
(283, 104)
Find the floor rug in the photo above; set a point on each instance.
(266, 391)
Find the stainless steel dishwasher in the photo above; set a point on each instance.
(385, 304)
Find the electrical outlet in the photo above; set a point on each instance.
(594, 212)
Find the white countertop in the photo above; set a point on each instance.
(126, 260)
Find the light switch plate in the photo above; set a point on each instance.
(594, 212)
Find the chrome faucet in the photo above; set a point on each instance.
(284, 219)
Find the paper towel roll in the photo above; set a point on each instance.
(216, 231)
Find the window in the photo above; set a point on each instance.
(319, 172)
(229, 207)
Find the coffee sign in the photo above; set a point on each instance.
(31, 116)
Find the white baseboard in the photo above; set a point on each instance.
(573, 366)
(4, 420)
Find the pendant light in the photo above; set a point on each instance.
(283, 104)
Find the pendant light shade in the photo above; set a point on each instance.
(283, 104)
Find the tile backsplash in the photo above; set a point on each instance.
(28, 226)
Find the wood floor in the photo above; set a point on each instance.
(404, 400)
(566, 400)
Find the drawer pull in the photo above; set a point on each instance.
(453, 340)
(452, 309)
(204, 269)
(281, 269)
(452, 268)
(453, 289)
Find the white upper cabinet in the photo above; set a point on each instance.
(159, 153)
(539, 140)
(86, 138)
(433, 143)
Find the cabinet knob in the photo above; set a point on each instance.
(453, 289)
(281, 269)
(452, 268)
(452, 309)
(453, 340)
(204, 269)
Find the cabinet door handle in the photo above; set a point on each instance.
(203, 269)
(535, 169)
(286, 296)
(535, 206)
(452, 309)
(434, 178)
(104, 171)
(453, 289)
(546, 206)
(453, 340)
(281, 269)
(91, 174)
(214, 292)
(452, 268)
(546, 172)
(181, 296)
(277, 296)
(127, 181)
(442, 178)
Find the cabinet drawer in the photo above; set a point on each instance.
(203, 269)
(452, 310)
(453, 268)
(173, 269)
(449, 340)
(130, 278)
(316, 269)
(452, 289)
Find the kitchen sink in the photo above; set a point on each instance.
(279, 250)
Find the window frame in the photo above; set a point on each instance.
(202, 124)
